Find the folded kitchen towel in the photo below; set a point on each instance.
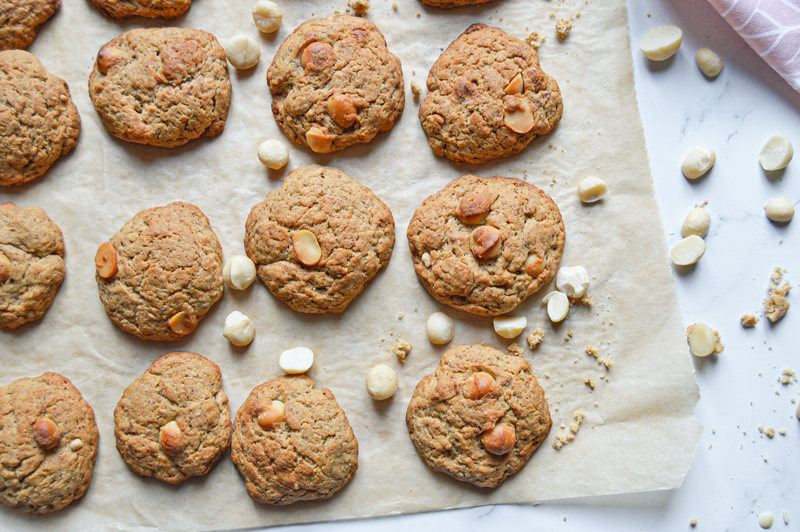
(771, 28)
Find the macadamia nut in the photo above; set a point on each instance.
(381, 382)
(662, 42)
(510, 327)
(557, 306)
(273, 154)
(297, 360)
(702, 340)
(776, 153)
(709, 62)
(243, 52)
(239, 330)
(440, 328)
(592, 189)
(688, 251)
(779, 209)
(239, 272)
(573, 281)
(696, 223)
(267, 16)
(698, 161)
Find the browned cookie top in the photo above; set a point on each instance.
(38, 121)
(124, 9)
(172, 423)
(487, 97)
(334, 83)
(292, 442)
(319, 239)
(448, 4)
(167, 272)
(480, 416)
(48, 442)
(20, 20)
(31, 264)
(485, 244)
(161, 86)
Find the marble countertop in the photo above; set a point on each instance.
(738, 472)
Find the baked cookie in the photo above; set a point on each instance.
(48, 438)
(485, 244)
(487, 97)
(334, 83)
(479, 416)
(20, 20)
(449, 4)
(161, 272)
(121, 10)
(161, 86)
(31, 264)
(292, 442)
(319, 239)
(38, 121)
(172, 423)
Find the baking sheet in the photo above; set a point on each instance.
(639, 432)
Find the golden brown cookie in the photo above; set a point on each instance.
(38, 121)
(172, 423)
(48, 439)
(20, 20)
(292, 442)
(449, 4)
(124, 9)
(334, 83)
(319, 239)
(479, 416)
(161, 86)
(485, 244)
(487, 97)
(31, 264)
(161, 273)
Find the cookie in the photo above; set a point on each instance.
(38, 120)
(48, 438)
(172, 423)
(161, 272)
(31, 264)
(161, 86)
(483, 245)
(449, 4)
(479, 416)
(334, 83)
(292, 442)
(487, 97)
(20, 20)
(121, 10)
(319, 239)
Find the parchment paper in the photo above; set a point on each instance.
(639, 431)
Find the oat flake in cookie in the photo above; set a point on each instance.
(293, 442)
(161, 86)
(483, 245)
(334, 83)
(161, 273)
(319, 239)
(31, 264)
(38, 120)
(121, 10)
(20, 20)
(172, 423)
(487, 97)
(479, 416)
(48, 438)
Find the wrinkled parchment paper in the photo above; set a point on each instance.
(639, 431)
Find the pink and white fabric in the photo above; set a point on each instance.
(771, 28)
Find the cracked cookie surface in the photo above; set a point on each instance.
(31, 264)
(334, 83)
(169, 273)
(161, 86)
(124, 9)
(308, 454)
(21, 20)
(487, 97)
(353, 229)
(475, 390)
(48, 438)
(445, 238)
(38, 120)
(172, 423)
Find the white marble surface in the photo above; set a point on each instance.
(738, 472)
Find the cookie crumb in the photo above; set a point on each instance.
(515, 350)
(568, 336)
(770, 432)
(563, 27)
(400, 315)
(534, 40)
(592, 351)
(535, 338)
(360, 7)
(693, 522)
(748, 320)
(394, 6)
(418, 14)
(416, 90)
(401, 349)
(587, 300)
(775, 304)
(787, 376)
(589, 382)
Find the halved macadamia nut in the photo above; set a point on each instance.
(661, 43)
(516, 85)
(306, 247)
(318, 140)
(475, 206)
(182, 323)
(271, 414)
(518, 116)
(485, 242)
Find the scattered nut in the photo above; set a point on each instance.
(239, 272)
(46, 433)
(779, 209)
(243, 52)
(440, 328)
(776, 153)
(518, 115)
(76, 444)
(661, 43)
(381, 382)
(342, 110)
(508, 326)
(573, 281)
(478, 385)
(239, 329)
(307, 248)
(297, 360)
(182, 323)
(696, 223)
(698, 161)
(765, 519)
(272, 413)
(318, 140)
(171, 438)
(475, 206)
(516, 85)
(500, 439)
(273, 154)
(267, 16)
(709, 62)
(5, 268)
(688, 251)
(557, 306)
(702, 339)
(485, 242)
(105, 260)
(592, 189)
(318, 56)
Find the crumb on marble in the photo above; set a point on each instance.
(748, 320)
(775, 304)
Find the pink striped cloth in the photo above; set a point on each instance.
(771, 28)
